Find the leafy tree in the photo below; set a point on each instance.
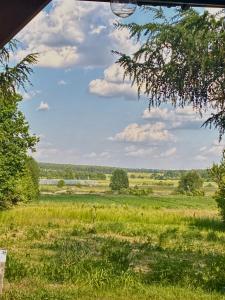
(190, 183)
(217, 172)
(34, 173)
(119, 180)
(27, 186)
(15, 139)
(180, 61)
(61, 183)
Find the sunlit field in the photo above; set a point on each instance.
(159, 187)
(114, 247)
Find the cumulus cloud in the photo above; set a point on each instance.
(215, 150)
(43, 106)
(176, 118)
(97, 29)
(144, 133)
(153, 151)
(50, 153)
(112, 85)
(211, 152)
(74, 33)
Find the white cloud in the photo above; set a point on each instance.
(170, 152)
(154, 152)
(176, 118)
(62, 82)
(49, 153)
(112, 85)
(28, 95)
(216, 11)
(97, 29)
(178, 114)
(200, 158)
(104, 88)
(90, 155)
(43, 106)
(97, 156)
(74, 33)
(105, 155)
(141, 152)
(121, 39)
(215, 149)
(144, 133)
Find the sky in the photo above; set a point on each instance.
(83, 111)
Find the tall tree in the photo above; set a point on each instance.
(119, 180)
(217, 173)
(181, 60)
(190, 183)
(15, 139)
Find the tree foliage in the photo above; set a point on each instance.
(15, 139)
(61, 183)
(119, 180)
(181, 60)
(27, 185)
(217, 172)
(190, 183)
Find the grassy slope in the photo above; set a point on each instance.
(114, 247)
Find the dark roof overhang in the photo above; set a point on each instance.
(15, 14)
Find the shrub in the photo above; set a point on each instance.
(119, 180)
(137, 191)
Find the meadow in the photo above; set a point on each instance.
(114, 247)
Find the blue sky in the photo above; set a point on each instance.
(83, 111)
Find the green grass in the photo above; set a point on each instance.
(159, 187)
(114, 247)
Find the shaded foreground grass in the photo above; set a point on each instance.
(114, 247)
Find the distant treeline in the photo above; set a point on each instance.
(69, 171)
(176, 174)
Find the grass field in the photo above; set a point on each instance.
(159, 187)
(114, 247)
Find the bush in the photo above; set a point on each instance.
(136, 191)
(119, 180)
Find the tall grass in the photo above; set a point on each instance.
(114, 247)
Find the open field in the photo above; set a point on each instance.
(159, 187)
(114, 247)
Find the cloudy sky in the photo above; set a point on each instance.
(83, 111)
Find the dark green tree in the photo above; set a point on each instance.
(27, 185)
(15, 139)
(217, 173)
(61, 183)
(190, 183)
(119, 180)
(181, 61)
